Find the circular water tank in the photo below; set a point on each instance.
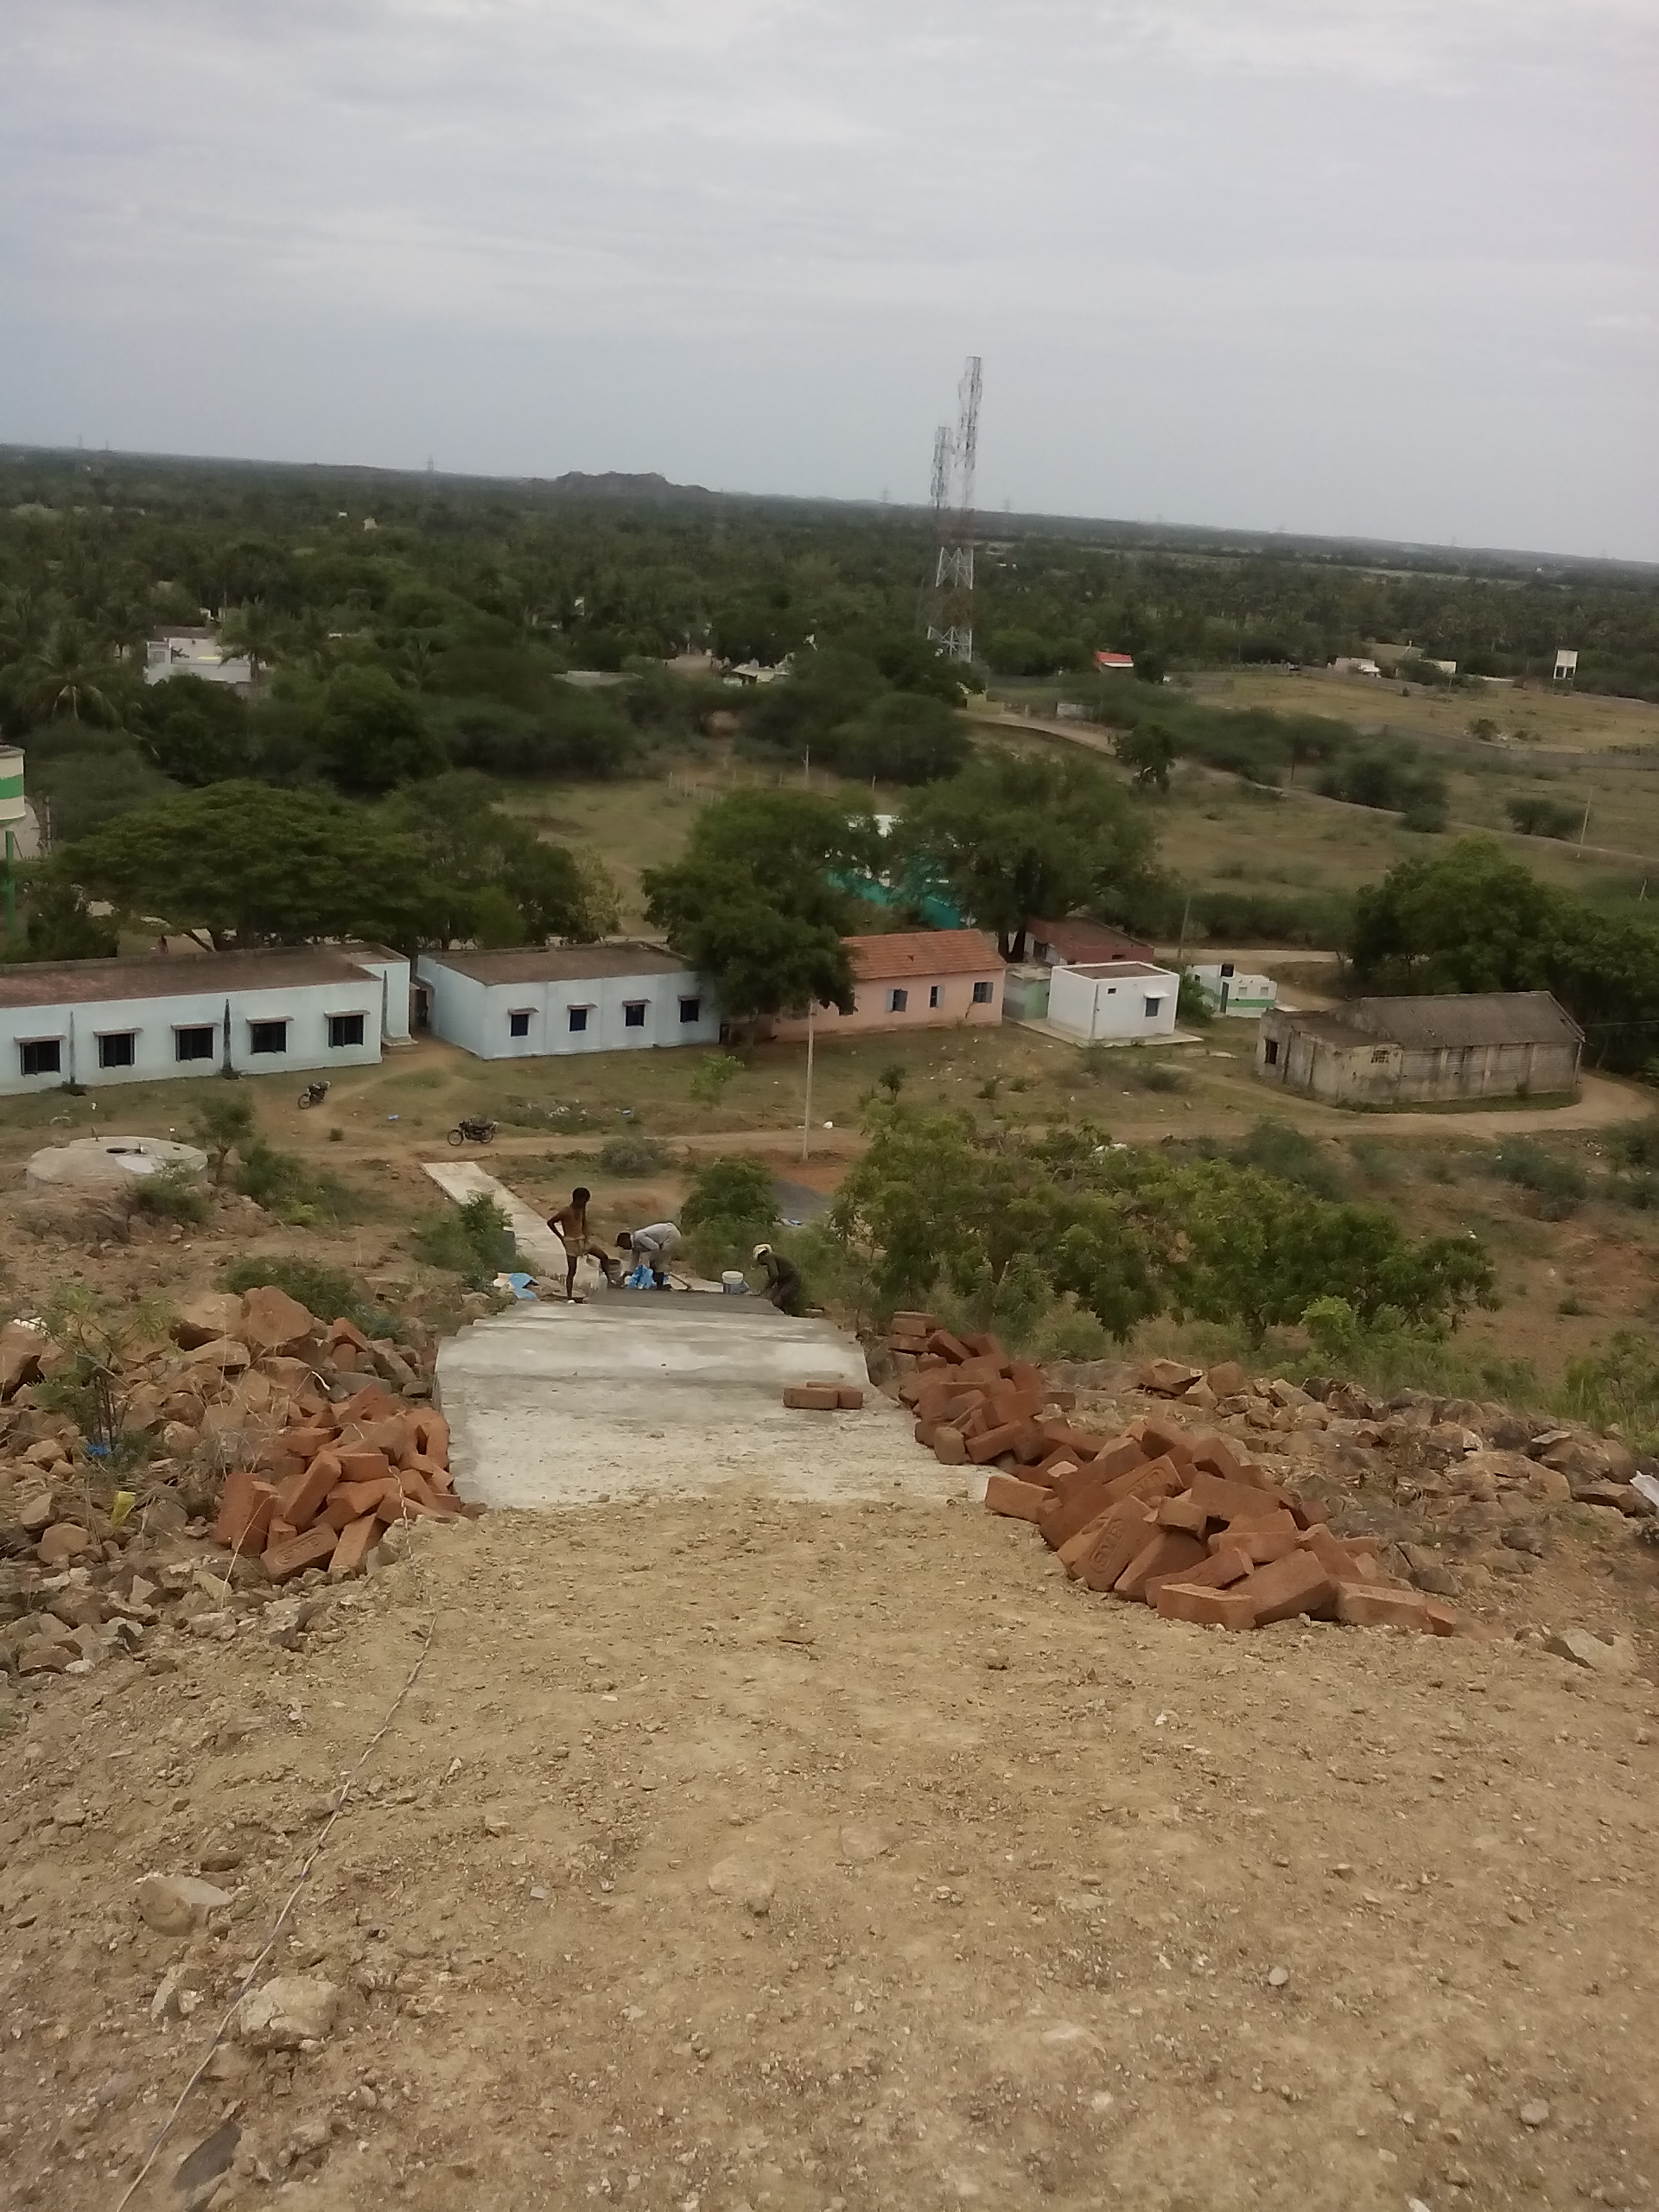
(107, 1163)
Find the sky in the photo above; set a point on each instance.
(1378, 267)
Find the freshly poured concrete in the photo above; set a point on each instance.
(676, 1392)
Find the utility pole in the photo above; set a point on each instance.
(806, 1116)
(1583, 828)
(951, 609)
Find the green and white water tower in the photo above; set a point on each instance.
(12, 816)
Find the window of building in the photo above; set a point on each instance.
(897, 1002)
(42, 1056)
(120, 1049)
(519, 1023)
(1270, 1053)
(267, 1037)
(1154, 1008)
(981, 993)
(633, 1012)
(345, 1029)
(690, 1009)
(578, 1019)
(195, 1043)
(933, 991)
(1380, 1054)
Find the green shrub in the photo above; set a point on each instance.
(475, 1240)
(284, 1185)
(1278, 1149)
(1616, 1386)
(1153, 1074)
(172, 1193)
(1388, 1354)
(1068, 1333)
(1559, 1186)
(630, 1154)
(732, 1206)
(1637, 1147)
(328, 1293)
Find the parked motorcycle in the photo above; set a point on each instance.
(472, 1132)
(314, 1094)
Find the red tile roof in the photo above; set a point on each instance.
(1077, 940)
(923, 952)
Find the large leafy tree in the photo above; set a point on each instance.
(491, 876)
(373, 735)
(1018, 836)
(268, 866)
(195, 732)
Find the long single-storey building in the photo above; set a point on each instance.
(259, 1013)
(913, 979)
(1080, 943)
(573, 998)
(1377, 1051)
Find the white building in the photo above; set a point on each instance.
(1566, 665)
(176, 652)
(292, 1008)
(1113, 1002)
(557, 999)
(1228, 990)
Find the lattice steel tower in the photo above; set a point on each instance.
(951, 603)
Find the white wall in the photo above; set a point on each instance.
(1246, 995)
(478, 1016)
(1108, 1007)
(305, 1007)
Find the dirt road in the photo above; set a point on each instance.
(750, 1855)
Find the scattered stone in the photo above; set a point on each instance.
(20, 1357)
(1277, 1977)
(1534, 2115)
(175, 1904)
(1227, 1380)
(747, 1881)
(1169, 1378)
(214, 2156)
(178, 1992)
(1601, 1655)
(207, 1320)
(859, 1843)
(62, 1542)
(34, 1514)
(1523, 1537)
(287, 2013)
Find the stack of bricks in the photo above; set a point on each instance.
(322, 1492)
(1187, 1524)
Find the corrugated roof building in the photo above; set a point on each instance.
(1403, 1052)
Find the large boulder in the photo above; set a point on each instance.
(21, 1348)
(276, 1322)
(207, 1320)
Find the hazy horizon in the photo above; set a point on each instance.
(1254, 266)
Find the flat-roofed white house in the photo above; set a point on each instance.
(1228, 989)
(176, 651)
(1113, 1002)
(573, 998)
(260, 1013)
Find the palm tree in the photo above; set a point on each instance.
(67, 674)
(253, 630)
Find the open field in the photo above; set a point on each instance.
(1573, 721)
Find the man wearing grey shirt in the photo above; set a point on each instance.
(653, 1247)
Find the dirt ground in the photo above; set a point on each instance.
(737, 1854)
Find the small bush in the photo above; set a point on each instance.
(474, 1241)
(328, 1293)
(529, 1114)
(712, 1077)
(1095, 1060)
(1153, 1074)
(731, 1207)
(1069, 1333)
(172, 1193)
(1278, 1149)
(1559, 1186)
(629, 1155)
(284, 1185)
(1618, 1387)
(1637, 1146)
(1639, 1192)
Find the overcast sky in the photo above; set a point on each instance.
(1381, 266)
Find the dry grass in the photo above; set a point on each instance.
(1564, 721)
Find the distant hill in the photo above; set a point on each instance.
(616, 484)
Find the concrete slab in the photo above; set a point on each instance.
(557, 1405)
(538, 1248)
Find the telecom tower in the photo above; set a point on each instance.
(951, 603)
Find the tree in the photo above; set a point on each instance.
(265, 865)
(1541, 818)
(253, 629)
(1150, 752)
(58, 925)
(195, 732)
(902, 738)
(373, 735)
(492, 877)
(1022, 837)
(223, 1125)
(69, 673)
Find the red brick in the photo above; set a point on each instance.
(1228, 1501)
(1019, 1501)
(1076, 1499)
(431, 1432)
(1295, 1584)
(304, 1443)
(926, 1322)
(1310, 1514)
(1077, 1550)
(345, 1332)
(357, 1465)
(810, 1397)
(238, 1504)
(1123, 1538)
(1261, 1540)
(983, 1345)
(1159, 1438)
(991, 1443)
(948, 1347)
(279, 1532)
(978, 1373)
(1182, 1512)
(1166, 1552)
(1329, 1552)
(315, 1547)
(373, 1402)
(1442, 1618)
(1029, 1376)
(1153, 1480)
(300, 1501)
(349, 1502)
(1029, 1448)
(950, 1450)
(1364, 1605)
(1207, 1608)
(356, 1541)
(1217, 1569)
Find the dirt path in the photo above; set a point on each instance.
(751, 1855)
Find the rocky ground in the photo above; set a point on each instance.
(735, 1852)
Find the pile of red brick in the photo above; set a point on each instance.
(322, 1492)
(1186, 1523)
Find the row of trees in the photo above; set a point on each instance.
(1132, 1234)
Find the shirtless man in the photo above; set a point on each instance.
(569, 1226)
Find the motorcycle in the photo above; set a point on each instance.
(472, 1132)
(314, 1094)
